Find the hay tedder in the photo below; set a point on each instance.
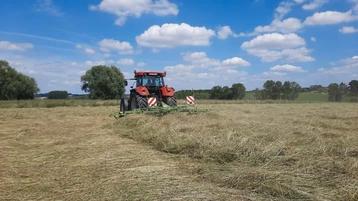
(149, 91)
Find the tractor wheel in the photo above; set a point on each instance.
(171, 101)
(142, 102)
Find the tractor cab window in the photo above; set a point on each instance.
(150, 81)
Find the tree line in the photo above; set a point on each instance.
(336, 92)
(276, 90)
(107, 82)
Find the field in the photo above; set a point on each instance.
(231, 152)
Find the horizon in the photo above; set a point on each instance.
(311, 42)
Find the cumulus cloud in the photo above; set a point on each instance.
(348, 30)
(275, 46)
(173, 35)
(224, 32)
(314, 4)
(136, 8)
(289, 25)
(111, 45)
(201, 71)
(200, 59)
(287, 68)
(283, 9)
(10, 46)
(86, 50)
(330, 17)
(235, 61)
(274, 41)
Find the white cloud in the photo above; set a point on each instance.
(235, 61)
(274, 41)
(49, 7)
(348, 30)
(330, 17)
(283, 9)
(90, 51)
(126, 62)
(91, 63)
(344, 70)
(111, 45)
(86, 50)
(200, 59)
(136, 8)
(10, 46)
(288, 25)
(191, 75)
(172, 35)
(314, 4)
(202, 71)
(224, 32)
(355, 5)
(275, 46)
(287, 68)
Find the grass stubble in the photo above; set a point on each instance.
(267, 151)
(233, 152)
(73, 153)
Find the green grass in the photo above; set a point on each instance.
(312, 97)
(56, 103)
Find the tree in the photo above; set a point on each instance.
(353, 88)
(238, 91)
(226, 93)
(103, 82)
(215, 92)
(290, 90)
(15, 85)
(276, 90)
(334, 92)
(273, 89)
(57, 95)
(318, 88)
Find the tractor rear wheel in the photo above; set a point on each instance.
(171, 101)
(142, 102)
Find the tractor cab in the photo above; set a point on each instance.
(153, 79)
(149, 85)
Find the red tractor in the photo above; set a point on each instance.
(149, 85)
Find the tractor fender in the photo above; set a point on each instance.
(167, 91)
(143, 91)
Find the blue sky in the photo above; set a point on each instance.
(199, 43)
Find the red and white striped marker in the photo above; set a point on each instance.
(190, 100)
(152, 101)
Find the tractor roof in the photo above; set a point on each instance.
(149, 73)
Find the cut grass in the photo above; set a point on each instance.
(71, 153)
(275, 151)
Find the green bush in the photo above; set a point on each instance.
(57, 95)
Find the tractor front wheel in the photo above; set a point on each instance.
(171, 101)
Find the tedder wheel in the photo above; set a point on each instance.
(171, 101)
(142, 102)
(123, 105)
